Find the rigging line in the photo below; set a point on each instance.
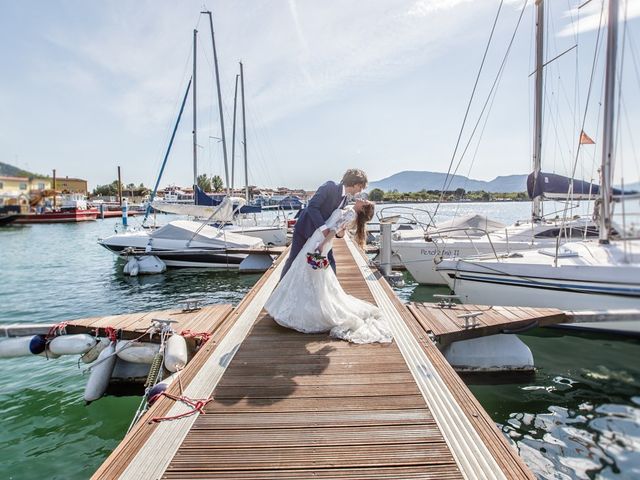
(619, 112)
(176, 107)
(484, 107)
(584, 4)
(634, 58)
(631, 135)
(262, 142)
(556, 57)
(558, 127)
(576, 82)
(591, 77)
(466, 113)
(475, 153)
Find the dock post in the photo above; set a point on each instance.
(102, 211)
(385, 248)
(396, 279)
(125, 211)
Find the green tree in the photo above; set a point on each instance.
(204, 182)
(376, 195)
(107, 190)
(217, 183)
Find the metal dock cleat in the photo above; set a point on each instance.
(446, 301)
(470, 319)
(192, 304)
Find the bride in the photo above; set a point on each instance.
(309, 297)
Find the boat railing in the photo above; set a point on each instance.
(407, 213)
(439, 240)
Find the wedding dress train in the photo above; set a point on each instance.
(313, 301)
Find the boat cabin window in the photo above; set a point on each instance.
(575, 232)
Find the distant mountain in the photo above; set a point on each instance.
(7, 170)
(409, 181)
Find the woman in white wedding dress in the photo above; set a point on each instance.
(312, 300)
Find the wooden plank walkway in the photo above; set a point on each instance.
(288, 405)
(445, 325)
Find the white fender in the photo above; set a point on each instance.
(150, 265)
(100, 374)
(72, 344)
(137, 352)
(92, 354)
(175, 353)
(131, 268)
(22, 346)
(160, 387)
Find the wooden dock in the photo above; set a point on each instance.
(447, 324)
(280, 404)
(205, 320)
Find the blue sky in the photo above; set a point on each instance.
(380, 85)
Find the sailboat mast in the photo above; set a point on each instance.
(195, 123)
(215, 64)
(536, 212)
(244, 137)
(233, 134)
(607, 139)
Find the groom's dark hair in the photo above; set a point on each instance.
(354, 176)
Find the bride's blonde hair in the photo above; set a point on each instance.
(363, 216)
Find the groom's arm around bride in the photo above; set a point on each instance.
(328, 197)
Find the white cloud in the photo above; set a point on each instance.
(588, 18)
(296, 54)
(422, 8)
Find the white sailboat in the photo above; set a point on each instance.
(421, 256)
(184, 243)
(478, 236)
(204, 208)
(590, 274)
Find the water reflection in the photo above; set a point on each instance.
(579, 415)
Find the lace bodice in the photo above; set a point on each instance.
(341, 218)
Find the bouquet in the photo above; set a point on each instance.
(316, 261)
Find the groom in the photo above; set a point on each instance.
(327, 198)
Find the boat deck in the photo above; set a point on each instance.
(280, 404)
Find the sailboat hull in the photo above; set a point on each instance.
(580, 276)
(418, 255)
(537, 291)
(185, 244)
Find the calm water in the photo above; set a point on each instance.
(579, 417)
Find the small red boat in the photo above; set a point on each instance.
(66, 215)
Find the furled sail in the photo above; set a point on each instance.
(238, 203)
(222, 212)
(553, 186)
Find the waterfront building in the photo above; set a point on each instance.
(18, 191)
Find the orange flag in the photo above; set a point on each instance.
(586, 139)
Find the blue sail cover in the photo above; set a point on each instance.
(551, 185)
(203, 199)
(212, 200)
(250, 209)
